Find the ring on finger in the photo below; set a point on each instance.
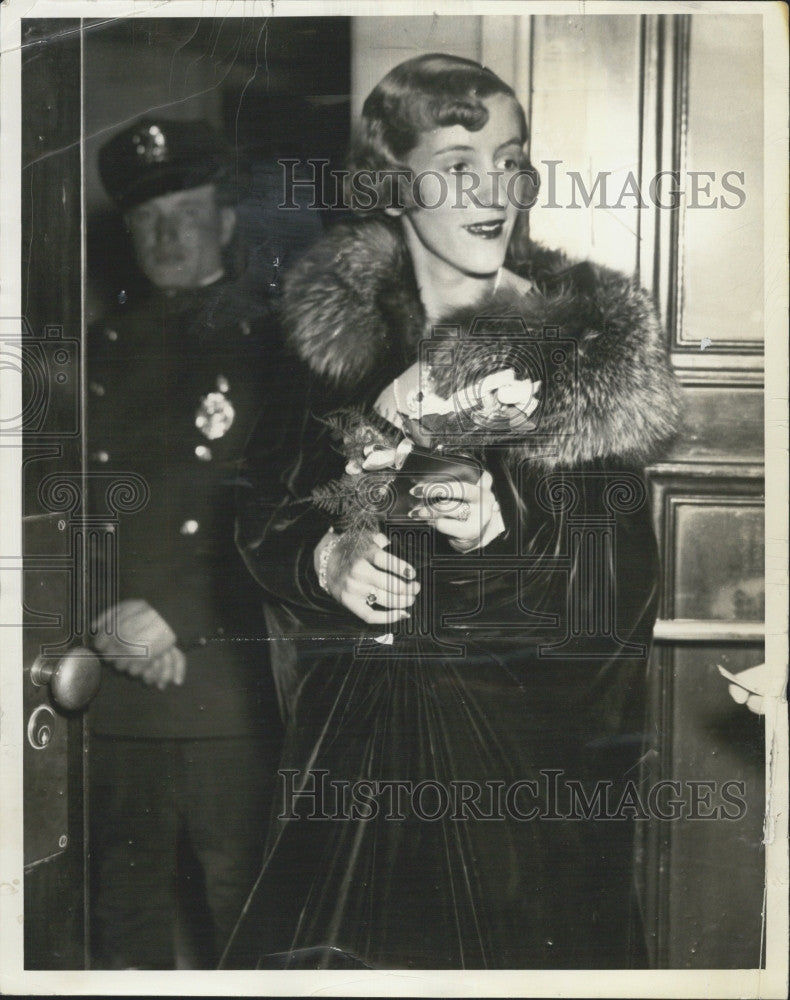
(372, 599)
(463, 511)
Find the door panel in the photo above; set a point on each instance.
(709, 864)
(718, 558)
(715, 402)
(53, 757)
(46, 799)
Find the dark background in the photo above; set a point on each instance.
(276, 88)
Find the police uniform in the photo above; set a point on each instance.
(174, 385)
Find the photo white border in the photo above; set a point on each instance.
(721, 983)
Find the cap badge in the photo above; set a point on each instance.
(150, 144)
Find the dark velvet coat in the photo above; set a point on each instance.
(524, 660)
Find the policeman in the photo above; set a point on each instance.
(184, 728)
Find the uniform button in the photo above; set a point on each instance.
(203, 453)
(189, 527)
(100, 456)
(96, 388)
(111, 334)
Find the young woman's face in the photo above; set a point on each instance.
(469, 186)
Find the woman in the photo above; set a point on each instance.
(440, 702)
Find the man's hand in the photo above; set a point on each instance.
(134, 622)
(169, 668)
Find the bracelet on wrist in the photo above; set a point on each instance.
(323, 558)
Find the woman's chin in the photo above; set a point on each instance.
(485, 262)
(484, 272)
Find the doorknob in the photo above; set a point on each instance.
(73, 680)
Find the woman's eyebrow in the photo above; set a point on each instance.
(515, 141)
(454, 149)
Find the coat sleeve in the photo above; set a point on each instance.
(277, 525)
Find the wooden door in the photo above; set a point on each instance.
(50, 346)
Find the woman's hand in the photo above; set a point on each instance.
(372, 583)
(468, 514)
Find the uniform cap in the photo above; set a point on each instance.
(156, 156)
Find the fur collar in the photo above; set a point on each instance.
(352, 301)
